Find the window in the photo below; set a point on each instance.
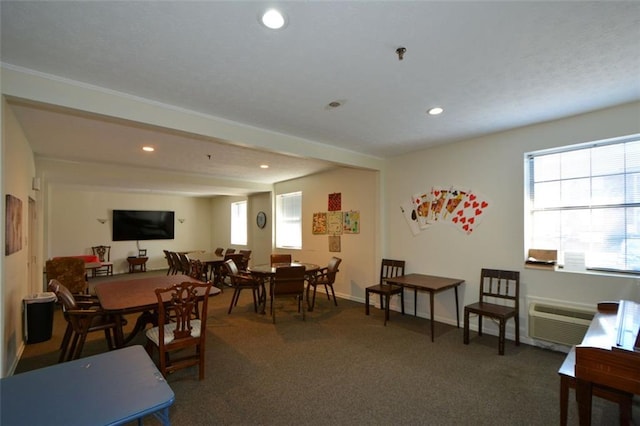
(239, 223)
(289, 220)
(586, 199)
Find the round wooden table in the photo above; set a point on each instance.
(266, 272)
(137, 261)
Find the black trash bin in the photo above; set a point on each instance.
(38, 317)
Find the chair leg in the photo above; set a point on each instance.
(313, 300)
(517, 320)
(479, 325)
(255, 299)
(326, 290)
(501, 336)
(234, 300)
(465, 338)
(366, 302)
(335, 301)
(386, 308)
(64, 346)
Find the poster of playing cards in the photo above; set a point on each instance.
(462, 208)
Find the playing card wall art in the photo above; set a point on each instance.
(460, 207)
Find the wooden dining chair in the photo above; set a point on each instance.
(241, 281)
(277, 258)
(219, 251)
(325, 277)
(178, 328)
(197, 270)
(84, 315)
(499, 299)
(388, 269)
(288, 281)
(104, 254)
(185, 263)
(246, 257)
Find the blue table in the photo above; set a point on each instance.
(107, 389)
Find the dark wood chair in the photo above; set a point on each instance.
(288, 281)
(325, 277)
(246, 257)
(241, 281)
(277, 258)
(230, 251)
(219, 251)
(179, 327)
(104, 254)
(499, 299)
(185, 263)
(83, 315)
(197, 270)
(389, 268)
(177, 264)
(70, 272)
(170, 262)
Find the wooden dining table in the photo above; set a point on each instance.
(430, 283)
(123, 297)
(213, 262)
(266, 272)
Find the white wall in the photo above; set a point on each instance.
(360, 253)
(17, 171)
(493, 166)
(73, 228)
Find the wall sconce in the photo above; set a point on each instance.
(102, 221)
(181, 220)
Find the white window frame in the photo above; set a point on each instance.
(289, 220)
(239, 223)
(585, 200)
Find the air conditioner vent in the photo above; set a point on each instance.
(566, 325)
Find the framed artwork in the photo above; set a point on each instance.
(335, 202)
(13, 225)
(334, 223)
(319, 225)
(351, 222)
(334, 243)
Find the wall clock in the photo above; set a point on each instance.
(261, 219)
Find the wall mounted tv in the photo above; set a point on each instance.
(130, 225)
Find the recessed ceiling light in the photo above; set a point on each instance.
(435, 111)
(264, 166)
(148, 148)
(273, 19)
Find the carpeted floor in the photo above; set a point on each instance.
(341, 367)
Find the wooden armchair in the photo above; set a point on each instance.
(239, 282)
(83, 315)
(388, 269)
(70, 272)
(499, 299)
(288, 281)
(179, 327)
(325, 277)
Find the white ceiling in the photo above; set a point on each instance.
(492, 66)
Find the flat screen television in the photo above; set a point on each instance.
(129, 225)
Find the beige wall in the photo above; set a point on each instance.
(73, 228)
(18, 169)
(494, 166)
(359, 252)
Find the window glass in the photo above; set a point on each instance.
(586, 199)
(289, 220)
(239, 223)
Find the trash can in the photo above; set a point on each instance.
(38, 317)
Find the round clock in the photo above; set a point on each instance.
(261, 219)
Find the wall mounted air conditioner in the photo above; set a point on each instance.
(566, 325)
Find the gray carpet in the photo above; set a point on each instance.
(341, 367)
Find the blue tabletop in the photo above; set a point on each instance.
(107, 389)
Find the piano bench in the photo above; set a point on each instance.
(568, 380)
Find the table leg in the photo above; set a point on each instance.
(431, 303)
(583, 393)
(118, 334)
(415, 302)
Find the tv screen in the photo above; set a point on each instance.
(131, 225)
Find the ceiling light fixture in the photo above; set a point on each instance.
(264, 166)
(148, 148)
(273, 19)
(435, 111)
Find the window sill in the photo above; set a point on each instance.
(555, 268)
